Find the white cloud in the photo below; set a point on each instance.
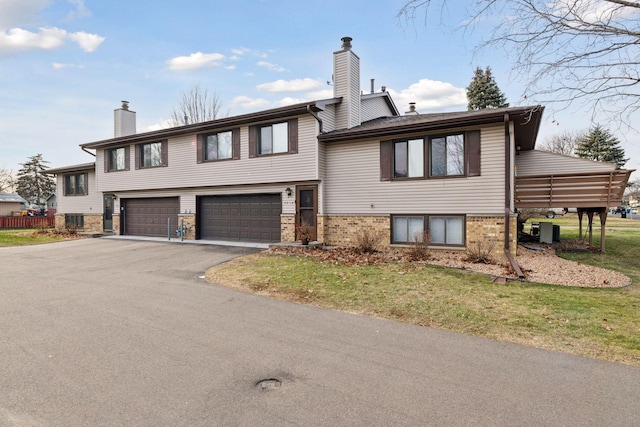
(81, 10)
(320, 94)
(20, 12)
(297, 85)
(88, 42)
(61, 66)
(19, 40)
(195, 61)
(251, 104)
(290, 101)
(271, 67)
(429, 96)
(164, 124)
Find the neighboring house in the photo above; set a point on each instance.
(338, 165)
(10, 204)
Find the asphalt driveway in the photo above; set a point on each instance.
(114, 332)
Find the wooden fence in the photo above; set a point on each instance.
(18, 222)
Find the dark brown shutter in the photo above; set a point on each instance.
(253, 141)
(385, 160)
(137, 148)
(293, 136)
(235, 144)
(472, 143)
(107, 154)
(127, 157)
(200, 148)
(165, 153)
(86, 184)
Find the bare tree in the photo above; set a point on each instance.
(564, 143)
(196, 105)
(7, 181)
(574, 51)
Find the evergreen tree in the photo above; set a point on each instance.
(32, 184)
(483, 92)
(599, 144)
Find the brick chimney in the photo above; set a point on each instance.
(346, 85)
(124, 122)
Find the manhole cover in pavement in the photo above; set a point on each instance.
(268, 384)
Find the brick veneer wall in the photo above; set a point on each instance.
(287, 228)
(189, 222)
(343, 230)
(339, 230)
(489, 231)
(92, 223)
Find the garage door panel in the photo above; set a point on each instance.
(148, 217)
(253, 218)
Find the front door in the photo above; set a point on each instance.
(107, 217)
(307, 210)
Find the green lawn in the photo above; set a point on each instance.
(599, 323)
(29, 237)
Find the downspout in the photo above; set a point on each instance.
(87, 151)
(315, 116)
(507, 198)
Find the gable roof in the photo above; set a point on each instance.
(526, 120)
(11, 198)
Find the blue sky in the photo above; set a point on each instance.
(65, 65)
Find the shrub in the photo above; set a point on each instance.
(481, 252)
(368, 241)
(420, 246)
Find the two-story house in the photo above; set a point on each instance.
(336, 165)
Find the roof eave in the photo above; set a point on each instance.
(273, 114)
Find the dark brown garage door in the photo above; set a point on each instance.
(245, 218)
(148, 217)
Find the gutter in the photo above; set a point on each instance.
(507, 198)
(315, 116)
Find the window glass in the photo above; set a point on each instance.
(455, 155)
(70, 185)
(447, 230)
(438, 157)
(151, 155)
(274, 139)
(80, 184)
(219, 146)
(447, 155)
(116, 159)
(266, 143)
(407, 229)
(280, 138)
(401, 156)
(416, 158)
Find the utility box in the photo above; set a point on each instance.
(546, 232)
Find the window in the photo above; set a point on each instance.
(273, 139)
(408, 158)
(406, 229)
(223, 145)
(456, 155)
(74, 221)
(75, 185)
(447, 155)
(151, 155)
(277, 138)
(443, 229)
(446, 230)
(218, 146)
(117, 159)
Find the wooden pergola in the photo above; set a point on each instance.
(589, 192)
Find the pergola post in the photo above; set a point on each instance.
(580, 213)
(603, 220)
